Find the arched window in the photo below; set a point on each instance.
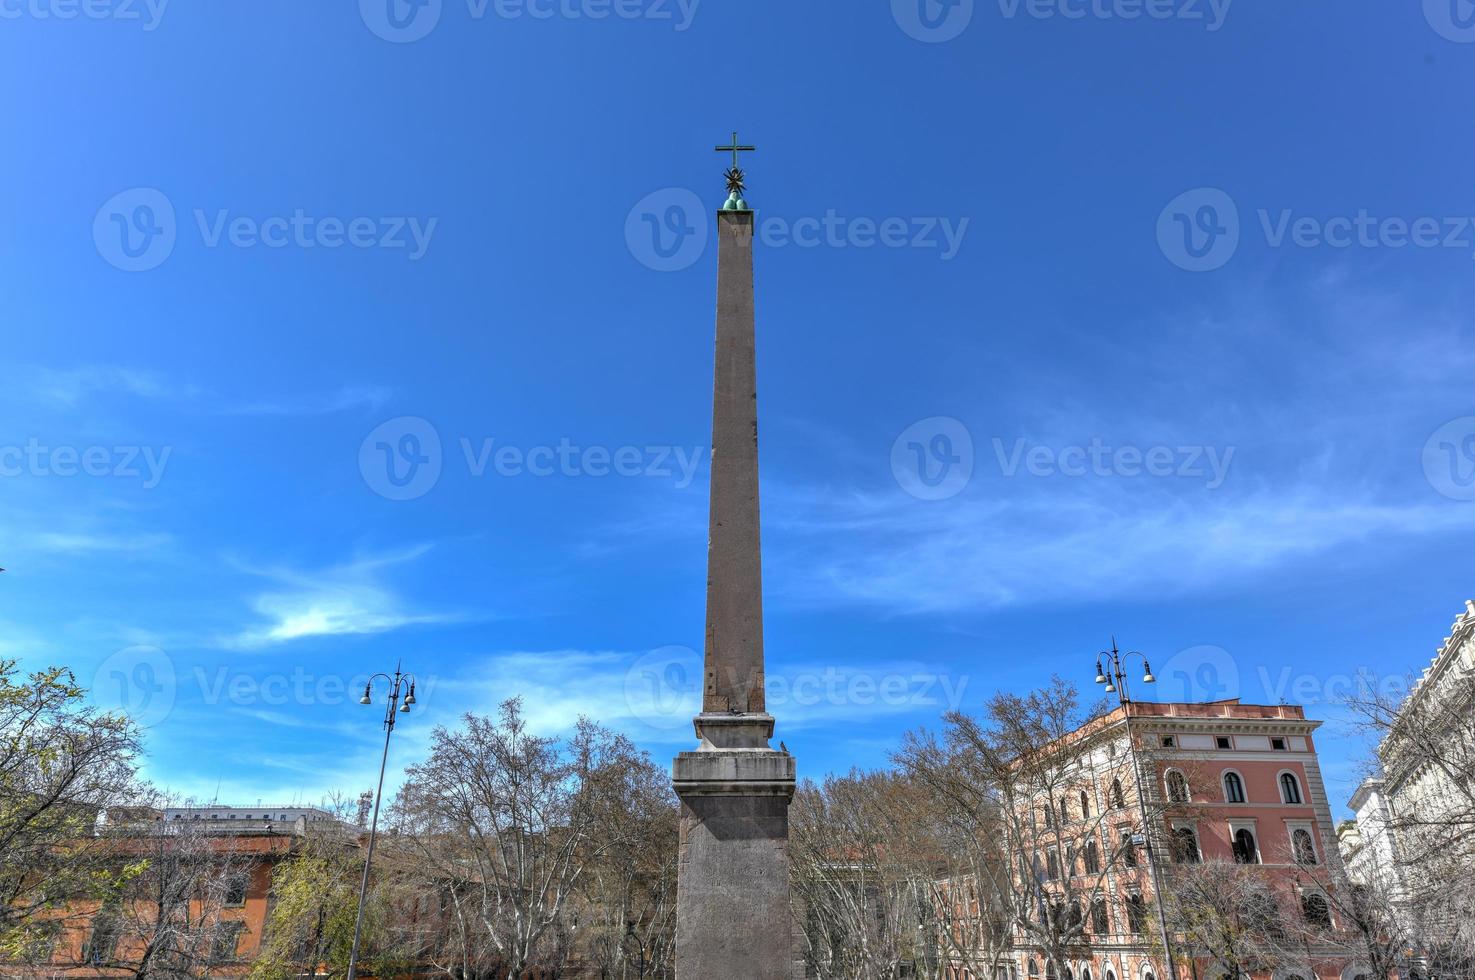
(1185, 846)
(1234, 788)
(1290, 790)
(1093, 857)
(1118, 801)
(1034, 968)
(1316, 910)
(1177, 787)
(1064, 812)
(1100, 922)
(1085, 806)
(1301, 843)
(1245, 851)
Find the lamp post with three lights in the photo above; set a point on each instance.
(1115, 679)
(400, 683)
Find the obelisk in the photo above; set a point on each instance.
(732, 897)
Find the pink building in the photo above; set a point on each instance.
(1237, 784)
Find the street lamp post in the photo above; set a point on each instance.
(1115, 679)
(396, 687)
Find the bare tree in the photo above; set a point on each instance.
(1048, 789)
(863, 874)
(166, 921)
(1353, 921)
(1426, 756)
(506, 822)
(1225, 913)
(625, 904)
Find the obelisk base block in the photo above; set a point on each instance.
(732, 899)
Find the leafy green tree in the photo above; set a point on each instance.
(63, 765)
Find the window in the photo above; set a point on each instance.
(1064, 813)
(1077, 918)
(1290, 790)
(1245, 851)
(1316, 910)
(1167, 741)
(1222, 741)
(1129, 850)
(1234, 788)
(224, 940)
(1093, 857)
(1136, 914)
(1302, 846)
(1100, 922)
(103, 940)
(1278, 744)
(1117, 800)
(1085, 806)
(1052, 861)
(1034, 968)
(1177, 787)
(235, 890)
(1185, 846)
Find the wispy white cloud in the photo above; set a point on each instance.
(70, 386)
(342, 600)
(904, 557)
(344, 399)
(90, 542)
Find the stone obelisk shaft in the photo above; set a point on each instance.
(733, 676)
(732, 895)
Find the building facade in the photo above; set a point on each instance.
(1413, 838)
(1153, 789)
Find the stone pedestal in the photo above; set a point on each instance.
(732, 900)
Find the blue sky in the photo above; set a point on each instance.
(1175, 309)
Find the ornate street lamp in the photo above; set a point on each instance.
(397, 686)
(1114, 678)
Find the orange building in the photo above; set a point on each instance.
(208, 898)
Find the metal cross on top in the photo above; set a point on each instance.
(735, 175)
(736, 149)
